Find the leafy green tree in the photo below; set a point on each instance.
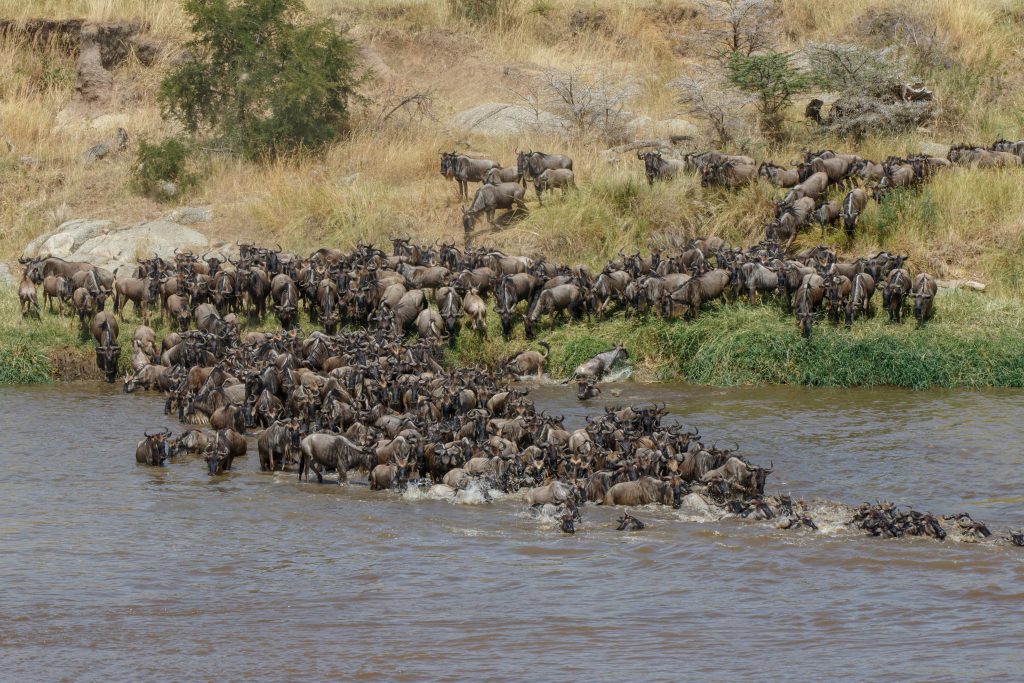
(773, 81)
(261, 78)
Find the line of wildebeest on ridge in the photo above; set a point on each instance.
(376, 401)
(807, 184)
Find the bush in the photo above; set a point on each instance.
(161, 165)
(773, 81)
(482, 11)
(259, 79)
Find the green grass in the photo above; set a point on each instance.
(973, 341)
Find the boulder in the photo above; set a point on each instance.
(125, 245)
(644, 126)
(189, 215)
(102, 244)
(67, 239)
(501, 118)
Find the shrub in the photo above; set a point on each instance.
(161, 164)
(773, 81)
(259, 79)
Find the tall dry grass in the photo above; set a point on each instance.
(381, 182)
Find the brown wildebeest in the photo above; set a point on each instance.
(895, 292)
(862, 290)
(688, 299)
(658, 168)
(924, 290)
(779, 176)
(529, 362)
(154, 449)
(808, 299)
(27, 298)
(489, 199)
(644, 491)
(105, 331)
(552, 178)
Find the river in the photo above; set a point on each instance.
(113, 571)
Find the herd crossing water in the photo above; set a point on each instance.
(116, 572)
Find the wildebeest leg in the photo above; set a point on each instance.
(537, 188)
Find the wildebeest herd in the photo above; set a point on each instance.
(377, 398)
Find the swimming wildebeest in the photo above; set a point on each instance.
(154, 449)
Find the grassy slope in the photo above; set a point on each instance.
(965, 224)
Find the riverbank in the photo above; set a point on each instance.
(973, 341)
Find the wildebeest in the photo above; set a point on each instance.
(321, 451)
(814, 186)
(154, 449)
(853, 205)
(777, 175)
(793, 216)
(177, 308)
(695, 292)
(924, 290)
(828, 213)
(489, 199)
(532, 164)
(862, 289)
(599, 365)
(808, 298)
(279, 441)
(55, 287)
(497, 176)
(756, 277)
(658, 168)
(552, 178)
(644, 491)
(227, 445)
(741, 474)
(28, 299)
(476, 311)
(465, 170)
(105, 331)
(449, 305)
(895, 292)
(554, 301)
(529, 362)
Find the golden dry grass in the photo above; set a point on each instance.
(385, 181)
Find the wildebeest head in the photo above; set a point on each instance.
(586, 388)
(106, 360)
(159, 446)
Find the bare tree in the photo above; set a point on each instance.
(711, 98)
(743, 26)
(588, 102)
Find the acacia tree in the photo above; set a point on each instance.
(773, 81)
(743, 26)
(712, 99)
(261, 78)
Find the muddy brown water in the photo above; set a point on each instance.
(112, 571)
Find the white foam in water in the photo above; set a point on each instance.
(693, 508)
(623, 373)
(474, 493)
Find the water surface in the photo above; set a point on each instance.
(117, 572)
